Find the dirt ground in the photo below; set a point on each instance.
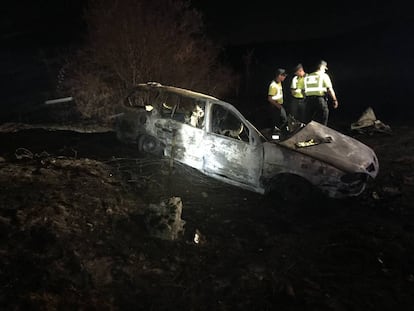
(74, 234)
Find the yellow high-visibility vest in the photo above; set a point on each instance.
(317, 83)
(297, 86)
(276, 91)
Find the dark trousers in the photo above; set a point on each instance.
(317, 109)
(297, 109)
(277, 116)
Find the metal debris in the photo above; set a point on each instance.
(368, 123)
(199, 238)
(313, 142)
(23, 153)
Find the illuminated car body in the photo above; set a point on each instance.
(213, 137)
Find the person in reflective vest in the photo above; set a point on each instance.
(317, 86)
(275, 98)
(297, 90)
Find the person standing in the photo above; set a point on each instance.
(297, 90)
(318, 85)
(275, 98)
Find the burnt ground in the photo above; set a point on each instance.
(73, 235)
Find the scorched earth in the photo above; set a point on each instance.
(76, 233)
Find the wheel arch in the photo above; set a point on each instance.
(290, 187)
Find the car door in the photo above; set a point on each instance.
(181, 129)
(233, 152)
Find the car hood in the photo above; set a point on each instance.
(335, 148)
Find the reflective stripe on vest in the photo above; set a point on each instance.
(296, 87)
(314, 85)
(279, 95)
(279, 92)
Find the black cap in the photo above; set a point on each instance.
(297, 67)
(322, 63)
(281, 71)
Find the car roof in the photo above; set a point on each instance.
(176, 90)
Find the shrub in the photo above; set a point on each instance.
(135, 41)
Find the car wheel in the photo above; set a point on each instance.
(149, 144)
(292, 188)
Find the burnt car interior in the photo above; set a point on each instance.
(183, 109)
(180, 108)
(227, 124)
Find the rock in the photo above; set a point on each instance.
(164, 220)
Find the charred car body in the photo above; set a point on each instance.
(213, 137)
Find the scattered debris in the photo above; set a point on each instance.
(199, 238)
(58, 100)
(375, 196)
(368, 123)
(313, 142)
(23, 153)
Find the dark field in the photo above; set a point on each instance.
(73, 234)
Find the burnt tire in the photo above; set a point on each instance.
(292, 188)
(149, 144)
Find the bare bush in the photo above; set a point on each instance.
(135, 41)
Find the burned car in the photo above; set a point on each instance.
(213, 137)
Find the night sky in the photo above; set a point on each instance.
(232, 22)
(261, 21)
(368, 46)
